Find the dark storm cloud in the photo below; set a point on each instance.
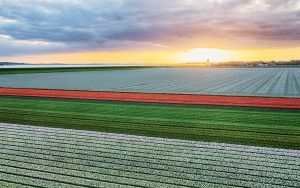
(95, 24)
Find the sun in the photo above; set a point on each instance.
(205, 54)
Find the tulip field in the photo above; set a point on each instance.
(271, 82)
(161, 98)
(150, 127)
(48, 157)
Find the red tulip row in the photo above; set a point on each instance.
(267, 102)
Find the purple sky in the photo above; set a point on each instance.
(50, 26)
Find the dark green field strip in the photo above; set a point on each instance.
(209, 125)
(183, 113)
(228, 136)
(165, 122)
(65, 69)
(174, 153)
(164, 132)
(137, 126)
(262, 127)
(193, 133)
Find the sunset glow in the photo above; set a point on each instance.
(206, 54)
(148, 32)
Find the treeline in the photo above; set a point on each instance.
(258, 63)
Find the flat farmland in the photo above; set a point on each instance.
(50, 157)
(273, 82)
(150, 127)
(162, 98)
(278, 128)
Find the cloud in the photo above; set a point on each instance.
(4, 21)
(116, 24)
(12, 46)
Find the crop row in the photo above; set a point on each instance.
(282, 82)
(229, 125)
(90, 137)
(191, 144)
(174, 152)
(111, 146)
(71, 160)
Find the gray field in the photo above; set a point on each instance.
(277, 82)
(48, 157)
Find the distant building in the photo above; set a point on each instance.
(208, 62)
(263, 64)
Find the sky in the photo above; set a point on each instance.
(148, 31)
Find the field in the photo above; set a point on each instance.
(249, 126)
(29, 69)
(273, 82)
(150, 127)
(47, 157)
(150, 94)
(266, 102)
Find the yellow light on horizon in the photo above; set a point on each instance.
(166, 57)
(204, 54)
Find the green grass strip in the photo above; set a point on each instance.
(65, 69)
(239, 125)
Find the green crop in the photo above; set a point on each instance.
(249, 126)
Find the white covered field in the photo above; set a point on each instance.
(48, 157)
(277, 82)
